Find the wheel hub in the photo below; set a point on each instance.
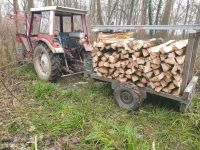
(44, 62)
(126, 97)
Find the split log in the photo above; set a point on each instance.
(138, 45)
(146, 63)
(166, 90)
(176, 92)
(180, 59)
(166, 49)
(156, 61)
(147, 69)
(140, 61)
(160, 76)
(158, 48)
(140, 85)
(148, 75)
(158, 89)
(170, 61)
(135, 78)
(156, 72)
(165, 67)
(179, 52)
(163, 83)
(180, 44)
(172, 54)
(145, 52)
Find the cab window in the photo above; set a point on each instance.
(45, 22)
(78, 24)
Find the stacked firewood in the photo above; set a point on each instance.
(147, 63)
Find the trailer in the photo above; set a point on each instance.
(129, 96)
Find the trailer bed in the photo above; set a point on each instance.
(182, 98)
(187, 87)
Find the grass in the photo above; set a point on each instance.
(86, 117)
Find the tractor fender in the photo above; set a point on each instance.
(55, 48)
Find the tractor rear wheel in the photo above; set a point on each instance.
(47, 65)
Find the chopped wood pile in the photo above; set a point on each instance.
(147, 63)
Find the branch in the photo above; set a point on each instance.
(10, 2)
(9, 91)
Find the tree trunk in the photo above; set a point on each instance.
(122, 13)
(92, 16)
(30, 4)
(99, 16)
(186, 16)
(131, 12)
(150, 15)
(197, 21)
(158, 11)
(0, 14)
(48, 2)
(15, 5)
(143, 16)
(175, 18)
(112, 12)
(166, 16)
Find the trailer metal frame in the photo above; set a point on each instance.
(189, 83)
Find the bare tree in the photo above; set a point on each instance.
(143, 12)
(186, 16)
(143, 16)
(0, 14)
(92, 14)
(150, 15)
(131, 12)
(47, 2)
(15, 5)
(166, 16)
(99, 16)
(197, 20)
(112, 11)
(30, 4)
(158, 11)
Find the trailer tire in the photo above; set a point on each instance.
(127, 96)
(47, 65)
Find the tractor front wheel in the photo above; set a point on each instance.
(47, 65)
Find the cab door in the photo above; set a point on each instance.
(22, 29)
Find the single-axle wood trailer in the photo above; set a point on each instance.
(129, 96)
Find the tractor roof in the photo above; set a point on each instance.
(59, 8)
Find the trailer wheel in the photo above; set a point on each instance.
(47, 64)
(127, 96)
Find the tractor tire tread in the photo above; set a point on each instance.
(55, 65)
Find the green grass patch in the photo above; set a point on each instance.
(88, 113)
(27, 72)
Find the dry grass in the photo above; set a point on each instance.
(7, 42)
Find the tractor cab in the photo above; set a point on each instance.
(57, 39)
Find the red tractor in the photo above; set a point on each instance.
(55, 38)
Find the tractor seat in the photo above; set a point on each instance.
(64, 36)
(69, 39)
